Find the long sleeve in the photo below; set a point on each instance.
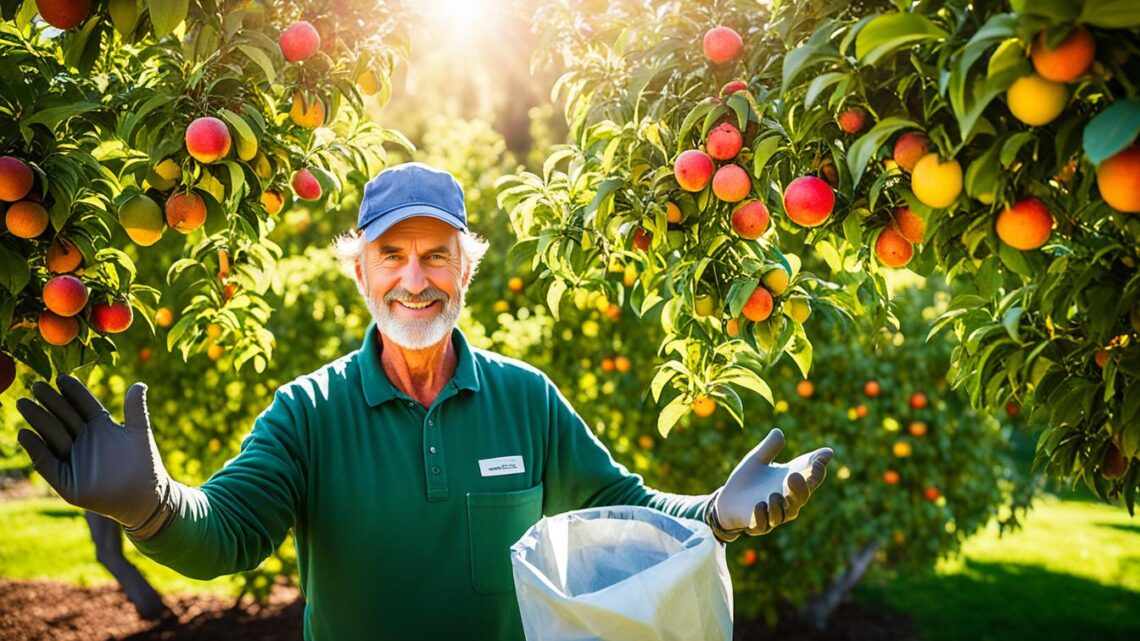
(581, 473)
(241, 514)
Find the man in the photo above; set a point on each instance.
(406, 469)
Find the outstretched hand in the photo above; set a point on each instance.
(761, 494)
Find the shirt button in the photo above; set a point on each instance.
(435, 470)
(431, 422)
(411, 404)
(432, 449)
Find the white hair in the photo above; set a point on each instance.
(349, 249)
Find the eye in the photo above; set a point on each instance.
(438, 258)
(391, 258)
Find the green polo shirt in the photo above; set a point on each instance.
(402, 515)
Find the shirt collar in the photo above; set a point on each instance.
(377, 387)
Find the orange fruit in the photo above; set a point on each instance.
(805, 389)
(932, 493)
(891, 477)
(892, 249)
(623, 364)
(645, 441)
(917, 428)
(1118, 179)
(758, 307)
(63, 256)
(1026, 225)
(672, 212)
(1069, 61)
(901, 449)
(56, 329)
(163, 317)
(935, 183)
(703, 406)
(910, 225)
(1036, 101)
(872, 389)
(608, 365)
(26, 219)
(918, 401)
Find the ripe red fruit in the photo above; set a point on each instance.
(910, 225)
(112, 318)
(732, 87)
(910, 146)
(872, 389)
(750, 219)
(642, 238)
(758, 307)
(853, 119)
(306, 185)
(64, 14)
(892, 249)
(724, 142)
(1026, 225)
(16, 179)
(299, 41)
(722, 45)
(731, 183)
(891, 477)
(56, 329)
(918, 401)
(185, 212)
(693, 170)
(932, 493)
(748, 559)
(809, 201)
(65, 295)
(208, 139)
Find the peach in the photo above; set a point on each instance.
(16, 179)
(1026, 225)
(809, 201)
(65, 295)
(299, 41)
(731, 183)
(910, 146)
(306, 185)
(732, 87)
(693, 170)
(642, 238)
(750, 219)
(892, 249)
(185, 212)
(57, 330)
(724, 142)
(722, 45)
(273, 201)
(1118, 179)
(26, 219)
(1070, 60)
(852, 120)
(208, 139)
(64, 14)
(111, 318)
(910, 225)
(63, 256)
(758, 307)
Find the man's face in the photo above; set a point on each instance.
(414, 282)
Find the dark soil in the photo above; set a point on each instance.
(41, 610)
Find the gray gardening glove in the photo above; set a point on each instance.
(761, 494)
(95, 463)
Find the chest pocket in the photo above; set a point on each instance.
(495, 521)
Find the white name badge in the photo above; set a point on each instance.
(501, 466)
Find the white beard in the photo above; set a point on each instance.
(414, 333)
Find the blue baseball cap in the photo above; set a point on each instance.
(406, 191)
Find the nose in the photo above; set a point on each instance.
(412, 277)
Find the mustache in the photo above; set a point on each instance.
(432, 293)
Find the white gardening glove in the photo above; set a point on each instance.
(761, 494)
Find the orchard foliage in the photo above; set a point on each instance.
(162, 138)
(992, 142)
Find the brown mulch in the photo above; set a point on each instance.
(42, 610)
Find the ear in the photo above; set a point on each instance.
(360, 285)
(466, 276)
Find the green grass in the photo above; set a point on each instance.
(45, 538)
(1072, 572)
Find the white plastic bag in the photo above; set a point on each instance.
(622, 573)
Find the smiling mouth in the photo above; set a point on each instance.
(416, 306)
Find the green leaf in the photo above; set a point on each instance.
(1112, 130)
(554, 296)
(888, 32)
(1111, 14)
(261, 59)
(816, 50)
(738, 294)
(1056, 11)
(671, 414)
(55, 115)
(763, 151)
(1011, 320)
(865, 147)
(166, 15)
(819, 83)
(14, 270)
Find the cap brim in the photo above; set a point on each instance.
(382, 224)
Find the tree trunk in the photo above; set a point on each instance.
(108, 539)
(819, 607)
